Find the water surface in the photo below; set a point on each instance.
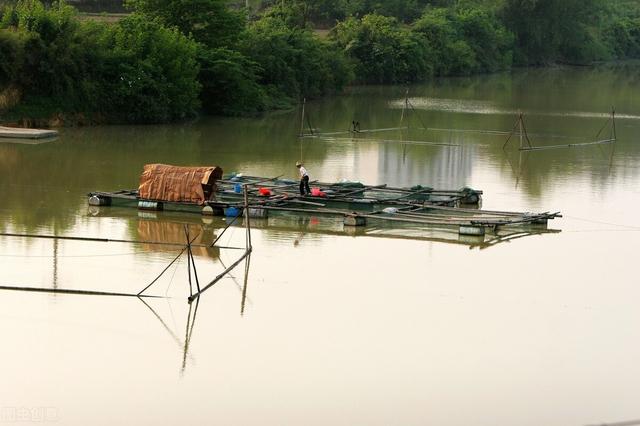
(335, 327)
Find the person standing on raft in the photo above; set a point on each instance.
(304, 179)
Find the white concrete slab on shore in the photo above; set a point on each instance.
(21, 133)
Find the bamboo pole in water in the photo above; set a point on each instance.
(79, 292)
(304, 101)
(99, 240)
(249, 249)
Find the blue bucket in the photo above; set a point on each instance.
(231, 212)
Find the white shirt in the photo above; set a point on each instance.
(303, 172)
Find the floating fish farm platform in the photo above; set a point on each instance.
(355, 203)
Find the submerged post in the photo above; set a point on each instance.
(304, 101)
(613, 122)
(520, 128)
(405, 107)
(186, 232)
(247, 217)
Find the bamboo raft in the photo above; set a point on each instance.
(355, 203)
(21, 133)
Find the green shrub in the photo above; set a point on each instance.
(210, 22)
(230, 83)
(555, 30)
(382, 50)
(623, 37)
(135, 71)
(150, 73)
(294, 63)
(465, 41)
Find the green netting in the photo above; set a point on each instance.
(349, 184)
(421, 188)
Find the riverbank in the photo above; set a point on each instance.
(43, 116)
(158, 64)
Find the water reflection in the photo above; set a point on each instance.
(27, 141)
(43, 186)
(329, 308)
(182, 344)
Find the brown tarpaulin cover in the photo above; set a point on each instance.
(162, 182)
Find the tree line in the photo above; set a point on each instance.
(170, 59)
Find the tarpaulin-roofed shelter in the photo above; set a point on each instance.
(162, 182)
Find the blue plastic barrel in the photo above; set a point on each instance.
(237, 188)
(231, 212)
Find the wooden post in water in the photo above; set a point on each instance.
(186, 232)
(193, 263)
(55, 259)
(247, 217)
(613, 123)
(405, 107)
(520, 128)
(244, 287)
(247, 252)
(304, 101)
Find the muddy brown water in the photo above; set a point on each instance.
(379, 326)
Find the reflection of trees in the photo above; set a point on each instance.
(544, 93)
(44, 186)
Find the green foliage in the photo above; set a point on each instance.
(11, 57)
(403, 10)
(150, 73)
(329, 12)
(623, 36)
(489, 40)
(465, 40)
(172, 56)
(53, 55)
(230, 83)
(444, 41)
(210, 22)
(294, 62)
(229, 79)
(382, 50)
(136, 71)
(295, 14)
(555, 30)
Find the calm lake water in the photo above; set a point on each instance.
(415, 327)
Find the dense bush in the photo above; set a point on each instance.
(444, 41)
(273, 61)
(136, 70)
(149, 73)
(171, 56)
(623, 37)
(556, 30)
(11, 57)
(230, 83)
(294, 63)
(465, 40)
(382, 50)
(330, 12)
(52, 54)
(210, 22)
